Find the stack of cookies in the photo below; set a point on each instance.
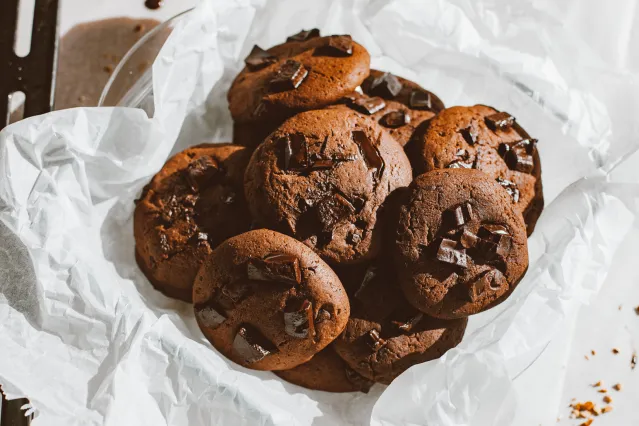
(353, 225)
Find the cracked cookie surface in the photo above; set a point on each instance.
(191, 205)
(459, 247)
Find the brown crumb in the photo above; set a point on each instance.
(586, 356)
(607, 399)
(573, 399)
(637, 310)
(586, 423)
(602, 390)
(606, 409)
(581, 415)
(617, 387)
(615, 351)
(633, 361)
(596, 385)
(82, 99)
(587, 406)
(138, 28)
(596, 411)
(619, 307)
(593, 352)
(108, 68)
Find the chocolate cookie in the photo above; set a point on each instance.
(385, 335)
(268, 302)
(394, 88)
(482, 138)
(398, 119)
(326, 371)
(460, 247)
(192, 204)
(322, 177)
(302, 74)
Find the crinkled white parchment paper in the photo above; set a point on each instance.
(87, 339)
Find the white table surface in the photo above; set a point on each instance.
(561, 373)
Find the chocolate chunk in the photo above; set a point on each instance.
(232, 294)
(458, 164)
(373, 340)
(322, 163)
(420, 100)
(503, 149)
(323, 315)
(332, 209)
(395, 119)
(518, 159)
(339, 45)
(259, 58)
(295, 152)
(200, 172)
(370, 152)
(289, 77)
(406, 318)
(298, 318)
(459, 215)
(469, 135)
(280, 267)
(499, 121)
(510, 187)
(495, 239)
(446, 252)
(362, 383)
(468, 239)
(386, 85)
(491, 280)
(528, 144)
(209, 316)
(251, 345)
(368, 105)
(304, 35)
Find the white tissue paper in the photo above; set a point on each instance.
(85, 337)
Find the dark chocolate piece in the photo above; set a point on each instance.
(406, 318)
(495, 239)
(447, 252)
(510, 187)
(200, 172)
(368, 105)
(420, 100)
(332, 209)
(373, 340)
(370, 152)
(395, 119)
(458, 164)
(459, 215)
(386, 85)
(518, 159)
(468, 239)
(232, 294)
(259, 58)
(295, 152)
(209, 316)
(304, 35)
(499, 121)
(289, 77)
(338, 45)
(323, 315)
(358, 380)
(322, 163)
(488, 281)
(469, 135)
(251, 345)
(298, 318)
(278, 267)
(503, 149)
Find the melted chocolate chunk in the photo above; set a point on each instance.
(304, 35)
(467, 239)
(323, 315)
(251, 345)
(232, 294)
(495, 240)
(339, 45)
(259, 58)
(368, 105)
(370, 152)
(510, 187)
(289, 77)
(488, 281)
(459, 215)
(295, 152)
(298, 318)
(395, 119)
(420, 100)
(200, 172)
(280, 267)
(518, 159)
(469, 135)
(499, 121)
(448, 253)
(209, 316)
(373, 340)
(406, 318)
(386, 85)
(333, 209)
(362, 383)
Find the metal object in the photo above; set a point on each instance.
(34, 75)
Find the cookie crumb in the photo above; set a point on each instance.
(617, 387)
(586, 356)
(606, 409)
(615, 351)
(108, 69)
(619, 307)
(586, 423)
(596, 385)
(637, 310)
(596, 411)
(607, 399)
(138, 28)
(603, 390)
(633, 361)
(593, 352)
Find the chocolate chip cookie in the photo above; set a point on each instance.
(326, 371)
(460, 247)
(192, 204)
(322, 177)
(306, 72)
(480, 137)
(268, 302)
(385, 335)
